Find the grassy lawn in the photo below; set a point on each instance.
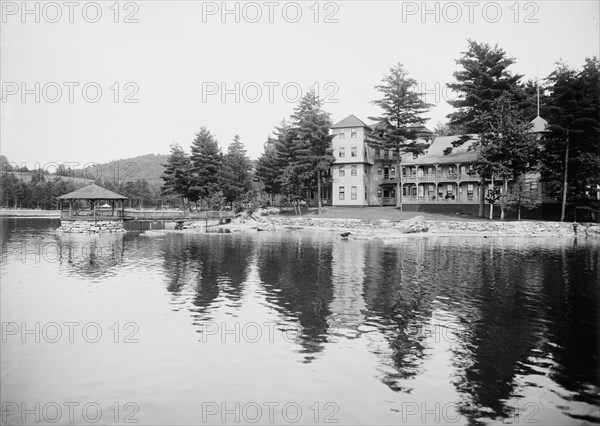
(389, 213)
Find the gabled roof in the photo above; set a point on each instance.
(539, 125)
(92, 192)
(350, 121)
(435, 152)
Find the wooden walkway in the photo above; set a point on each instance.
(148, 215)
(171, 216)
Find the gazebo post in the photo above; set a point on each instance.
(70, 208)
(93, 208)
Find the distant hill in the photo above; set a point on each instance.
(147, 167)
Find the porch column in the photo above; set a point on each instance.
(70, 209)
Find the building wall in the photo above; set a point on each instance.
(359, 163)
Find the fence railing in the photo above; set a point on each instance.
(90, 214)
(153, 215)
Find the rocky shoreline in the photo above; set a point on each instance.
(389, 229)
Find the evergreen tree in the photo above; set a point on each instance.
(312, 126)
(267, 172)
(483, 77)
(236, 178)
(207, 161)
(571, 160)
(400, 122)
(506, 148)
(177, 174)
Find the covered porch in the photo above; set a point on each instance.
(441, 193)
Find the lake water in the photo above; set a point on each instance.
(296, 328)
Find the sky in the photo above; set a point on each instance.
(91, 82)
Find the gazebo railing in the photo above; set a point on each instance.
(89, 214)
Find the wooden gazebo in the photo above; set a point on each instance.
(93, 194)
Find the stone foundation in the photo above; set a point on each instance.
(83, 226)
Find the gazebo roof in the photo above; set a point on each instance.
(92, 192)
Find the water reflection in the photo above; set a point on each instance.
(209, 266)
(490, 325)
(297, 275)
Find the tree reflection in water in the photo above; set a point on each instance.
(296, 273)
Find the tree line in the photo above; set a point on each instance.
(296, 161)
(492, 102)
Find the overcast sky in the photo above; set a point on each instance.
(175, 58)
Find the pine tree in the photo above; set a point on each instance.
(177, 174)
(312, 126)
(483, 77)
(267, 172)
(506, 148)
(207, 161)
(236, 178)
(571, 160)
(400, 122)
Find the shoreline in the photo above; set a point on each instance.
(384, 229)
(30, 213)
(390, 230)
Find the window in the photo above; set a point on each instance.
(393, 193)
(470, 190)
(342, 192)
(393, 171)
(353, 171)
(353, 192)
(365, 192)
(353, 151)
(342, 152)
(415, 155)
(342, 171)
(449, 189)
(342, 134)
(379, 193)
(379, 170)
(353, 133)
(377, 152)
